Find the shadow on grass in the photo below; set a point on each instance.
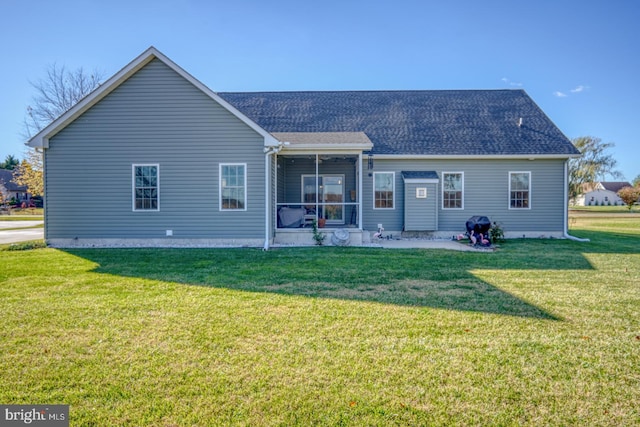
(428, 278)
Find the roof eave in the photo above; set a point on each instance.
(421, 180)
(295, 148)
(473, 156)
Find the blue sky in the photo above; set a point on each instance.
(578, 60)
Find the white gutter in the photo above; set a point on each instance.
(566, 207)
(473, 156)
(268, 151)
(330, 148)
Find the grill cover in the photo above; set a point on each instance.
(479, 224)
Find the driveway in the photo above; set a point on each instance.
(23, 235)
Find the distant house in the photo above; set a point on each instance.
(10, 190)
(155, 158)
(601, 194)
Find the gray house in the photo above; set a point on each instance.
(10, 190)
(155, 158)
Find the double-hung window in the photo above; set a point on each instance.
(233, 186)
(452, 190)
(519, 190)
(146, 187)
(383, 189)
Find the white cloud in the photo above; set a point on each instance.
(579, 89)
(510, 83)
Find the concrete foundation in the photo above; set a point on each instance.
(304, 237)
(169, 242)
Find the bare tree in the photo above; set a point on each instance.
(56, 93)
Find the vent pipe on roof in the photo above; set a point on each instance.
(520, 122)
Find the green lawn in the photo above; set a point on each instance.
(29, 213)
(605, 209)
(540, 332)
(4, 218)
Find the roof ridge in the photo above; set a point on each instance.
(370, 91)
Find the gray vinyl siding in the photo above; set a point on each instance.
(155, 117)
(420, 214)
(486, 192)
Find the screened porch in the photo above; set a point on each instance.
(318, 187)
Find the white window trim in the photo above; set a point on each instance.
(220, 166)
(442, 194)
(509, 194)
(393, 184)
(133, 186)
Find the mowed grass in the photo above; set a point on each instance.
(540, 332)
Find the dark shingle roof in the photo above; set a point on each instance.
(419, 175)
(614, 186)
(6, 177)
(439, 122)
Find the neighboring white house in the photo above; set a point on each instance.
(601, 194)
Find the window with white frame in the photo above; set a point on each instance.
(383, 190)
(146, 186)
(452, 190)
(233, 186)
(519, 190)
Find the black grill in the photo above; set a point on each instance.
(479, 224)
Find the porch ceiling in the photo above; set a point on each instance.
(332, 141)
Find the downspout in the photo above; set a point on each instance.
(268, 151)
(359, 198)
(566, 206)
(44, 192)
